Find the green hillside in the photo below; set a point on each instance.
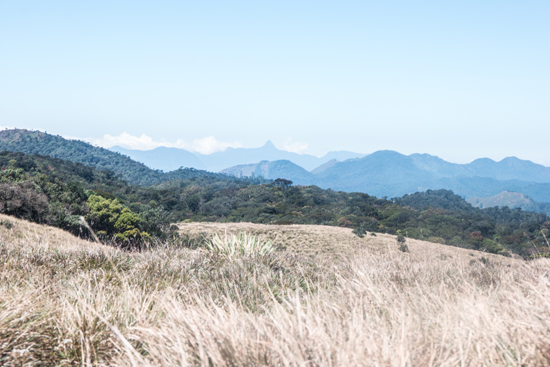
(57, 192)
(36, 142)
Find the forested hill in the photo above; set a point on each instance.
(36, 142)
(56, 192)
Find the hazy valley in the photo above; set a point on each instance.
(382, 173)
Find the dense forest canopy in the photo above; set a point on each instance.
(57, 192)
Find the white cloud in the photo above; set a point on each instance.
(126, 140)
(210, 145)
(205, 145)
(294, 147)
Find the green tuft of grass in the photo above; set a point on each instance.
(238, 245)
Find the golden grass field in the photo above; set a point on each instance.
(324, 298)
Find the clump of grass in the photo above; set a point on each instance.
(238, 245)
(6, 223)
(403, 247)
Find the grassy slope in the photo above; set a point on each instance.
(329, 299)
(314, 240)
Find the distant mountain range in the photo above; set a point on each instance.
(388, 173)
(163, 158)
(169, 159)
(383, 173)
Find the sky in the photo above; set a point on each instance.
(457, 79)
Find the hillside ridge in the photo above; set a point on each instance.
(36, 142)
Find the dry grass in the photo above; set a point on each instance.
(326, 298)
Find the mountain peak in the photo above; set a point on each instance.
(482, 161)
(269, 144)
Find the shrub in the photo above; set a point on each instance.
(6, 223)
(111, 218)
(360, 231)
(436, 239)
(23, 201)
(401, 240)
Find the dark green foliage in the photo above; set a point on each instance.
(193, 202)
(360, 230)
(22, 200)
(437, 199)
(112, 220)
(281, 182)
(41, 189)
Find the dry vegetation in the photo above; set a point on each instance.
(325, 298)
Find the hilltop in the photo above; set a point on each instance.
(58, 192)
(36, 142)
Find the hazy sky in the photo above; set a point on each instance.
(457, 79)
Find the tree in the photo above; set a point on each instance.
(127, 224)
(111, 219)
(22, 201)
(193, 202)
(281, 182)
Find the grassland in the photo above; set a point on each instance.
(324, 298)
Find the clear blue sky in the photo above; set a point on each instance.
(457, 79)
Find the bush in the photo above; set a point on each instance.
(436, 239)
(6, 223)
(23, 201)
(111, 219)
(360, 231)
